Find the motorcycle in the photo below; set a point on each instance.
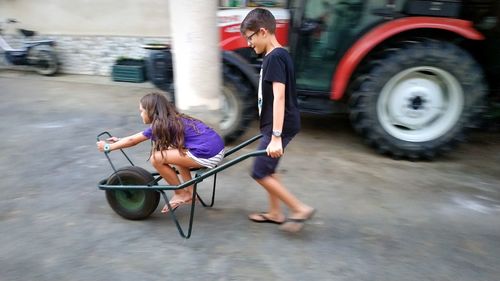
(39, 55)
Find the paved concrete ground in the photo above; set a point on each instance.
(378, 219)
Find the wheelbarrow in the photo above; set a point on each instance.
(134, 193)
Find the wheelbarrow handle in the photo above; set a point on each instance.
(107, 156)
(103, 133)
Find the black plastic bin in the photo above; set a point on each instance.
(160, 66)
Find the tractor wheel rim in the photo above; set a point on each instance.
(420, 104)
(229, 109)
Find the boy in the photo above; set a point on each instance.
(279, 119)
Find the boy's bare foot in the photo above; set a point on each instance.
(296, 222)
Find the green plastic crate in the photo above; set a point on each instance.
(128, 73)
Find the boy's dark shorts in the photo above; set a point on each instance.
(264, 165)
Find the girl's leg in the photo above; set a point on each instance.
(186, 176)
(170, 176)
(161, 162)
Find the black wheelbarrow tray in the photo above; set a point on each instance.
(134, 193)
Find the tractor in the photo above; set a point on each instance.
(412, 75)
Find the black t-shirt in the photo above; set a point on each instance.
(278, 67)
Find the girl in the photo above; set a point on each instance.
(177, 139)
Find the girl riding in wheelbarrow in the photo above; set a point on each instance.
(178, 139)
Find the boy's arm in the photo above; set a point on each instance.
(275, 147)
(123, 142)
(278, 106)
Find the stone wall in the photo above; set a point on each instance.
(90, 17)
(92, 55)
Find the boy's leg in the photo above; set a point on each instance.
(277, 191)
(274, 205)
(273, 214)
(264, 173)
(300, 212)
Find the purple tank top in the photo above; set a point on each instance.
(202, 142)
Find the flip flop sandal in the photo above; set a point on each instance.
(295, 225)
(262, 218)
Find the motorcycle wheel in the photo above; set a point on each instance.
(45, 62)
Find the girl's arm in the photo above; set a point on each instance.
(123, 142)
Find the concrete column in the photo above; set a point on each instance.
(196, 58)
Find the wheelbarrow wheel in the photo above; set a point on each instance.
(132, 204)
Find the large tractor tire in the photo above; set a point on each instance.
(132, 204)
(239, 107)
(417, 99)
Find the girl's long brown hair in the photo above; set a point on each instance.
(166, 123)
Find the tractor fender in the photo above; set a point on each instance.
(379, 34)
(234, 59)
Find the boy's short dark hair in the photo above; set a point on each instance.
(259, 18)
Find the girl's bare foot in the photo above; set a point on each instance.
(177, 201)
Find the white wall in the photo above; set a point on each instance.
(90, 17)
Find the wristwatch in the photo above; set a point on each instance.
(277, 134)
(106, 148)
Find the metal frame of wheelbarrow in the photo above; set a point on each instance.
(200, 175)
